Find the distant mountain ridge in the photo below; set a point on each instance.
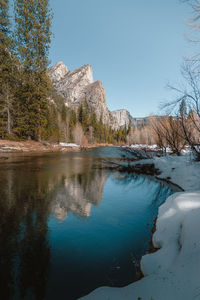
(78, 85)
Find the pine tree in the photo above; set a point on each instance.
(33, 22)
(86, 119)
(93, 119)
(72, 119)
(4, 23)
(63, 113)
(72, 123)
(52, 131)
(7, 72)
(80, 114)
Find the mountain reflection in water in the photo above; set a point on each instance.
(67, 227)
(77, 194)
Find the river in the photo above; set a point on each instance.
(68, 226)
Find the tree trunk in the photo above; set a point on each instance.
(8, 111)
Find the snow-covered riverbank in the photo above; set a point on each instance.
(182, 170)
(173, 272)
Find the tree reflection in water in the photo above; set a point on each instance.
(42, 256)
(24, 251)
(28, 196)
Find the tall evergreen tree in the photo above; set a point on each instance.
(33, 22)
(72, 119)
(4, 23)
(80, 114)
(7, 72)
(86, 120)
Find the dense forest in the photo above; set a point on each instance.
(29, 107)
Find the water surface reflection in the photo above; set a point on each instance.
(67, 227)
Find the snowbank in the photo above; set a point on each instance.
(153, 148)
(9, 148)
(173, 272)
(182, 170)
(144, 146)
(68, 145)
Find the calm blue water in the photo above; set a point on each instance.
(68, 227)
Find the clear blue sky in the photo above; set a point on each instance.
(135, 47)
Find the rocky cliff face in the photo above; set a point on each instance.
(121, 118)
(58, 72)
(96, 97)
(71, 84)
(78, 85)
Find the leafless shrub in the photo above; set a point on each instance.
(78, 134)
(169, 133)
(186, 106)
(143, 135)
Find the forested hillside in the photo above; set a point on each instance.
(30, 108)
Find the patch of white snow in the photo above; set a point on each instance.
(68, 145)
